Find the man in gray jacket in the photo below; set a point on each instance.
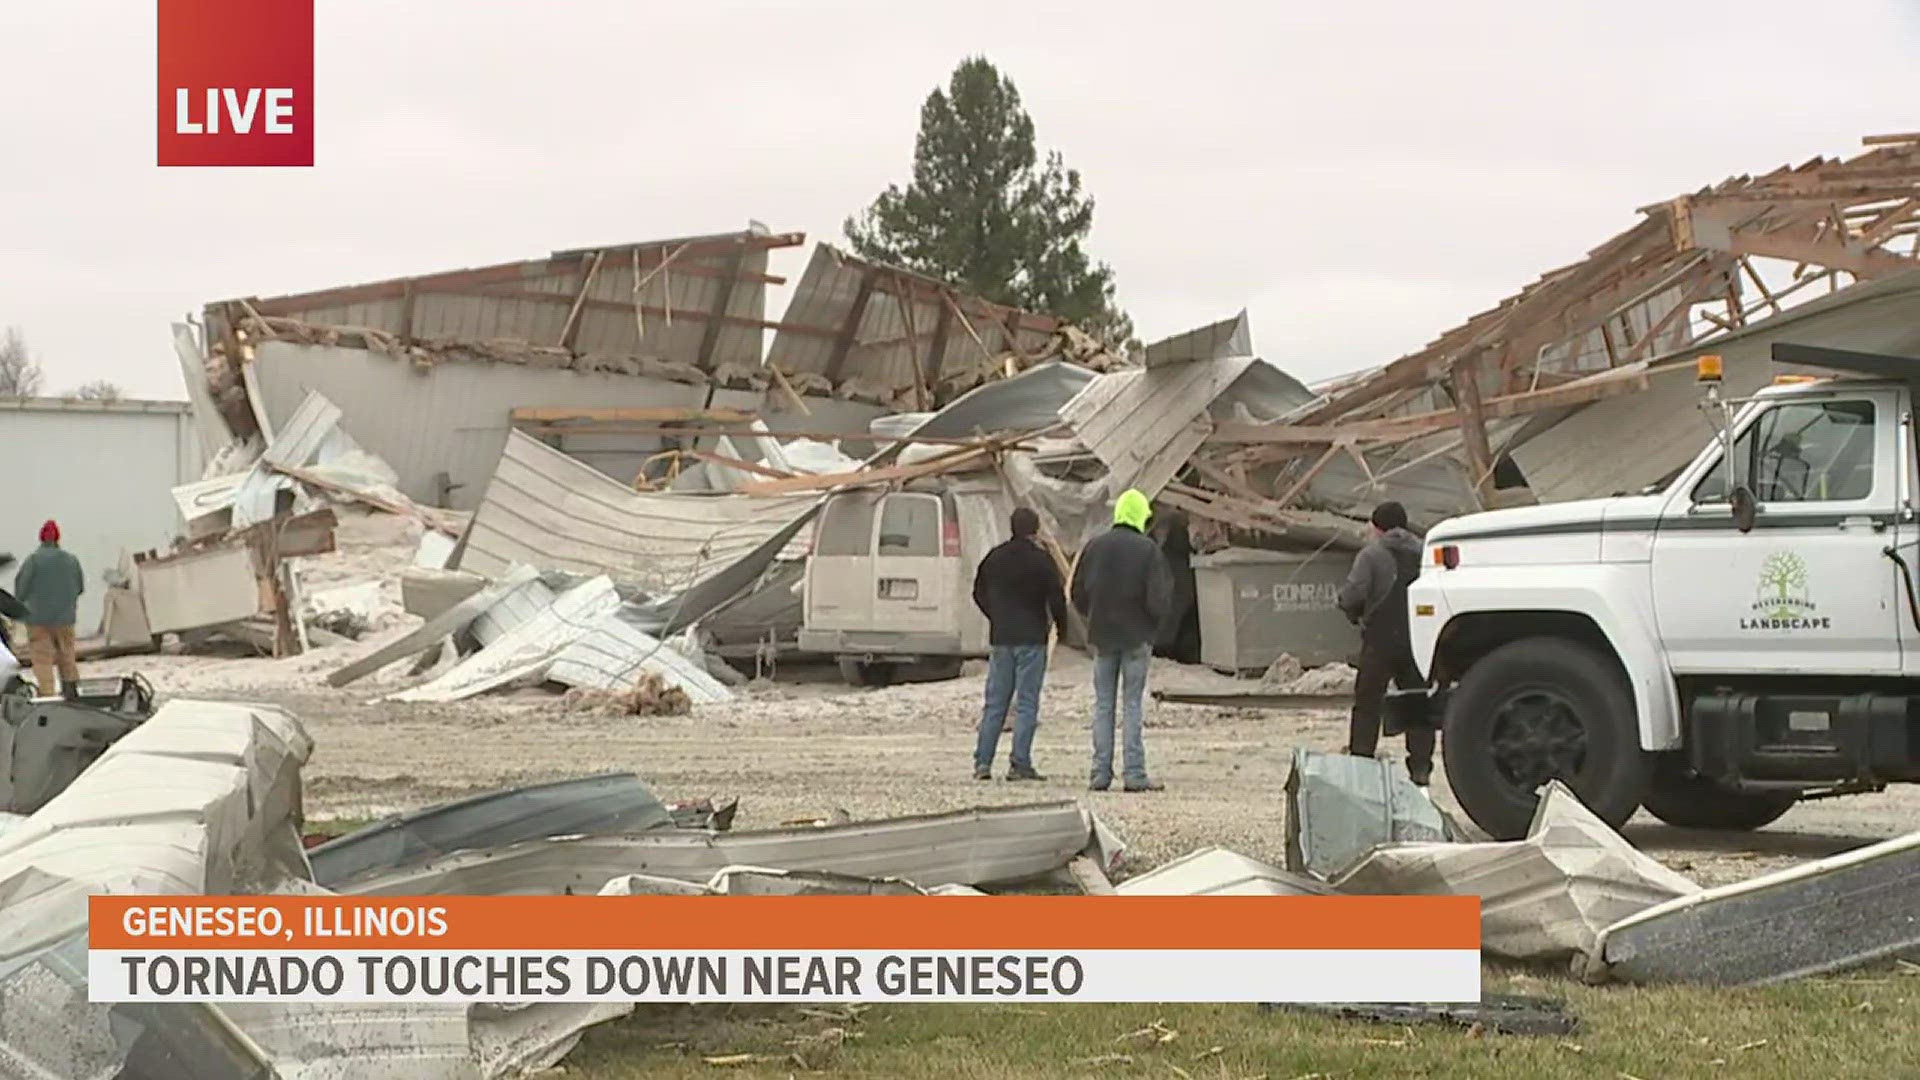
(1374, 598)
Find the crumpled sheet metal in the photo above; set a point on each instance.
(202, 798)
(1218, 872)
(1339, 807)
(435, 630)
(1826, 916)
(613, 803)
(762, 881)
(614, 653)
(971, 847)
(1548, 896)
(524, 651)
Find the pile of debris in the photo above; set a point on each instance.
(609, 412)
(228, 820)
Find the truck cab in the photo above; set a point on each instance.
(1712, 650)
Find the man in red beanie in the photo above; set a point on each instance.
(49, 584)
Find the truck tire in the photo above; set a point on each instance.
(1695, 802)
(1535, 710)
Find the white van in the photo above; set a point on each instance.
(889, 585)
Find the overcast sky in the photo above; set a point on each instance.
(1360, 177)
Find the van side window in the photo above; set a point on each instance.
(1811, 451)
(846, 527)
(910, 526)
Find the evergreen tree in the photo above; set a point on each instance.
(984, 214)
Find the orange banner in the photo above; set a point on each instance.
(785, 922)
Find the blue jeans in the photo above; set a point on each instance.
(1014, 676)
(1115, 673)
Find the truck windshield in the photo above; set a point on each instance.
(1804, 451)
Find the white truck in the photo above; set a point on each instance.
(1710, 651)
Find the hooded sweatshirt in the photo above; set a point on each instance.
(1123, 586)
(1374, 582)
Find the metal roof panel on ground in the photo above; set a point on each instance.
(547, 510)
(1546, 897)
(968, 847)
(611, 803)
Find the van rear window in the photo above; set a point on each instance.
(910, 526)
(846, 527)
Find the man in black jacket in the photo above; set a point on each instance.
(1375, 599)
(1125, 591)
(1018, 589)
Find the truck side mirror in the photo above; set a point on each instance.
(1745, 508)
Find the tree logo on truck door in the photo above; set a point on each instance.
(1781, 600)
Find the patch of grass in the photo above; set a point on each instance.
(1855, 1026)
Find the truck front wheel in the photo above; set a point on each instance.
(1695, 802)
(1542, 709)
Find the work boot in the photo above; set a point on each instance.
(1024, 774)
(1098, 784)
(983, 773)
(1421, 777)
(1146, 785)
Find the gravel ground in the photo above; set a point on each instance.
(804, 747)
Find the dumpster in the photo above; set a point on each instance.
(1256, 604)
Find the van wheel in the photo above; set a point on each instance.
(1695, 802)
(1542, 709)
(857, 673)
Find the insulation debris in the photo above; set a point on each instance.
(1546, 897)
(1339, 807)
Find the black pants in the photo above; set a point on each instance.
(1383, 662)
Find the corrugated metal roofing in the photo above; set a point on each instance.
(1216, 341)
(705, 306)
(1580, 457)
(547, 510)
(615, 653)
(1144, 423)
(900, 317)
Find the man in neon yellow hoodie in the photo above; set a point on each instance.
(1124, 590)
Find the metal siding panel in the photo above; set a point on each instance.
(547, 510)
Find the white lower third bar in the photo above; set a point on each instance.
(1092, 975)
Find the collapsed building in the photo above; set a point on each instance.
(612, 411)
